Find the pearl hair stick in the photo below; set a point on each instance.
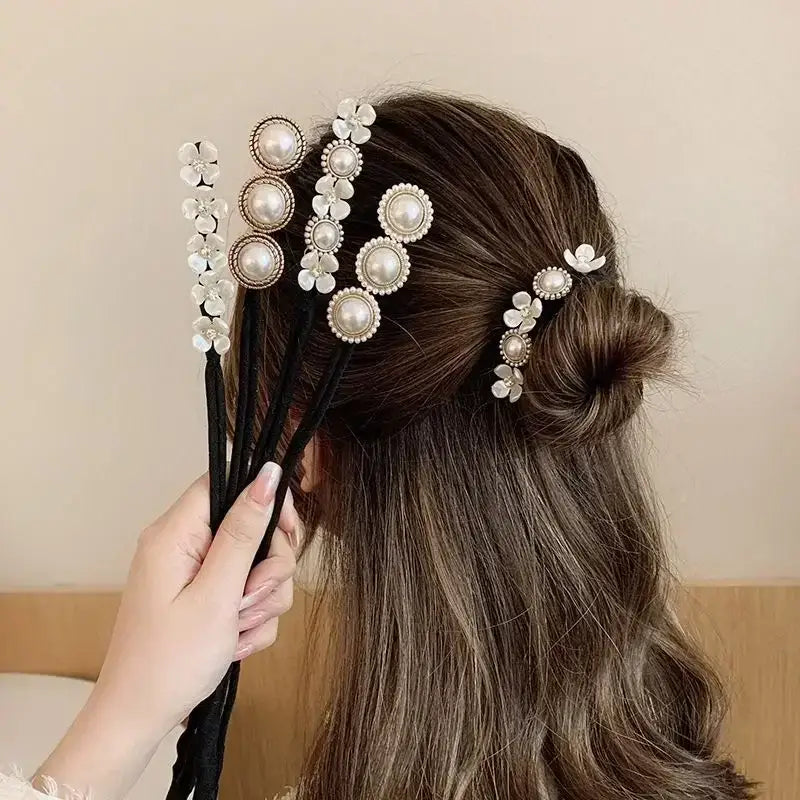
(405, 214)
(341, 165)
(552, 283)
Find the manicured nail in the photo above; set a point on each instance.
(253, 618)
(262, 489)
(243, 652)
(257, 594)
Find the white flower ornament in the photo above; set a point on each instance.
(510, 383)
(205, 211)
(524, 314)
(213, 290)
(332, 198)
(354, 121)
(206, 252)
(198, 163)
(317, 269)
(583, 259)
(210, 333)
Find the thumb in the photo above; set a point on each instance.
(230, 557)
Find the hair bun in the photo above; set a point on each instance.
(590, 361)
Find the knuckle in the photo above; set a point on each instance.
(238, 529)
(148, 537)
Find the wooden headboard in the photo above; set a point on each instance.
(751, 632)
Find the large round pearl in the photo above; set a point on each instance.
(256, 261)
(342, 161)
(382, 266)
(514, 348)
(406, 212)
(353, 316)
(277, 144)
(553, 281)
(325, 236)
(267, 203)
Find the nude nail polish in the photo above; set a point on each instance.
(262, 489)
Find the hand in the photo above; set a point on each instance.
(190, 607)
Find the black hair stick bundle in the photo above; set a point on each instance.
(184, 769)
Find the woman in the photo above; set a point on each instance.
(502, 617)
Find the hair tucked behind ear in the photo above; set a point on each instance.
(589, 365)
(502, 620)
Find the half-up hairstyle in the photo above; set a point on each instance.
(502, 618)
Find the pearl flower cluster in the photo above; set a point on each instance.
(405, 213)
(551, 283)
(266, 202)
(206, 248)
(341, 164)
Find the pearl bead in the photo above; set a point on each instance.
(325, 236)
(353, 316)
(342, 161)
(382, 266)
(256, 261)
(277, 144)
(553, 281)
(267, 203)
(514, 348)
(406, 212)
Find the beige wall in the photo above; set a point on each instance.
(684, 110)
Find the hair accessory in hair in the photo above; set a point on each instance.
(353, 121)
(354, 315)
(525, 312)
(551, 283)
(342, 159)
(510, 383)
(382, 265)
(583, 259)
(323, 234)
(341, 164)
(405, 213)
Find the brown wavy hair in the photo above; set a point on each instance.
(502, 619)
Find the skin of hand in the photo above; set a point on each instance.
(191, 605)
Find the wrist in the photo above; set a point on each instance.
(105, 750)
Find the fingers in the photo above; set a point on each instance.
(257, 639)
(192, 507)
(270, 573)
(231, 554)
(271, 605)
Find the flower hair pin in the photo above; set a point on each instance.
(206, 247)
(341, 164)
(552, 283)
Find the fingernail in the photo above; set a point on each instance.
(243, 652)
(257, 594)
(254, 617)
(262, 489)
